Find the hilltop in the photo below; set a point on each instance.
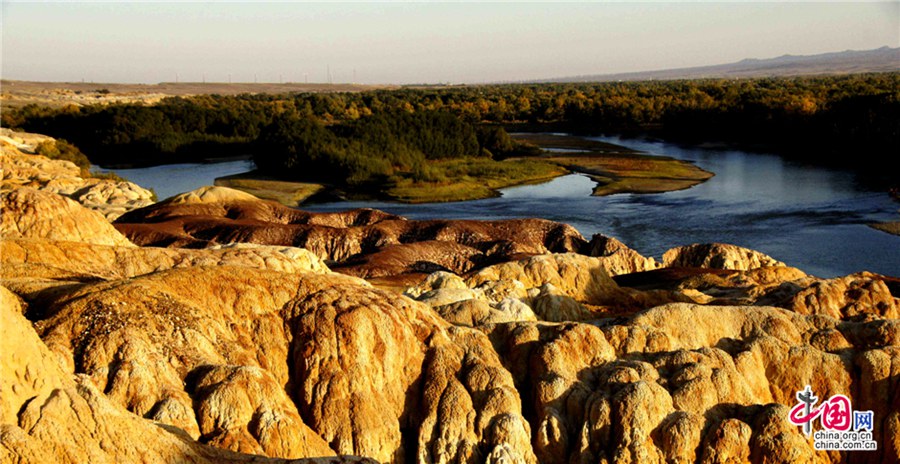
(884, 59)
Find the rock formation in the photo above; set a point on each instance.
(47, 414)
(846, 297)
(250, 349)
(512, 345)
(663, 387)
(717, 256)
(288, 365)
(618, 258)
(84, 262)
(366, 243)
(22, 168)
(30, 213)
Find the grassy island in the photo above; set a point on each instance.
(427, 156)
(617, 169)
(471, 179)
(436, 156)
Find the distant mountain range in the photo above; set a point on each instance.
(882, 59)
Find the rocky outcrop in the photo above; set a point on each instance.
(847, 297)
(665, 386)
(767, 285)
(365, 243)
(433, 395)
(564, 287)
(718, 256)
(207, 349)
(222, 202)
(571, 287)
(853, 296)
(373, 373)
(420, 257)
(30, 213)
(209, 195)
(22, 141)
(251, 350)
(23, 168)
(112, 198)
(49, 415)
(140, 339)
(28, 370)
(680, 382)
(618, 258)
(243, 408)
(82, 262)
(450, 297)
(577, 276)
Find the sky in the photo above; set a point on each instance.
(428, 42)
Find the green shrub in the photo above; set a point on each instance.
(109, 175)
(62, 150)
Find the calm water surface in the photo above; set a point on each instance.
(171, 179)
(810, 217)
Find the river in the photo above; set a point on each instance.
(171, 179)
(810, 217)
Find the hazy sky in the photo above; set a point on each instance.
(417, 42)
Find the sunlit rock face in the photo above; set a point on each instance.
(30, 213)
(22, 168)
(288, 364)
(717, 256)
(617, 257)
(48, 413)
(663, 386)
(512, 344)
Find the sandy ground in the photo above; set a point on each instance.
(20, 93)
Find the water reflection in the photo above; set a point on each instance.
(810, 217)
(571, 186)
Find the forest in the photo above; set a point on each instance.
(359, 139)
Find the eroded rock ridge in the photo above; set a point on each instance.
(500, 341)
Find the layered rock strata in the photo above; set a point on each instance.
(517, 349)
(365, 243)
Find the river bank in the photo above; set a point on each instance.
(891, 227)
(269, 188)
(790, 210)
(614, 168)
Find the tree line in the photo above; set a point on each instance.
(367, 151)
(396, 129)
